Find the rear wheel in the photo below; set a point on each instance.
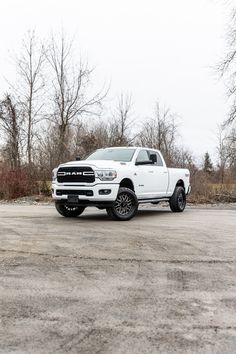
(69, 211)
(178, 200)
(125, 206)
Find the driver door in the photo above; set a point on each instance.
(160, 175)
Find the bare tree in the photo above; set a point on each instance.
(229, 148)
(232, 149)
(30, 65)
(226, 150)
(119, 125)
(10, 124)
(183, 158)
(227, 68)
(104, 132)
(70, 99)
(160, 132)
(92, 138)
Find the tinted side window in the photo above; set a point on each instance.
(142, 156)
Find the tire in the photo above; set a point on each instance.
(178, 200)
(69, 211)
(125, 206)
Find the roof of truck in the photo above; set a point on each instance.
(129, 147)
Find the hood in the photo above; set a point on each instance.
(95, 164)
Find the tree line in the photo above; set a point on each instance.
(52, 113)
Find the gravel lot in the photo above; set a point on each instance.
(160, 283)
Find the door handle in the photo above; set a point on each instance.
(165, 172)
(150, 171)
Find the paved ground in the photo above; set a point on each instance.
(160, 283)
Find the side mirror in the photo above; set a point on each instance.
(153, 158)
(78, 158)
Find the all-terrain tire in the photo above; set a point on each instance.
(125, 206)
(69, 211)
(178, 200)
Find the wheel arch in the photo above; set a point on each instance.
(180, 183)
(127, 183)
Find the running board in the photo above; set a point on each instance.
(153, 200)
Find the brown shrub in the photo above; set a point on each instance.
(205, 190)
(200, 192)
(15, 183)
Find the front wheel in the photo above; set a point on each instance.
(178, 200)
(125, 206)
(69, 211)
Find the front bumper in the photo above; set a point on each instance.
(84, 192)
(189, 190)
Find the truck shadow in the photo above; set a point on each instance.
(102, 215)
(150, 212)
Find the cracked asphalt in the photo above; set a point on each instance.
(160, 283)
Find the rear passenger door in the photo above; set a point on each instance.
(160, 174)
(145, 180)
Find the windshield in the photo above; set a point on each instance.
(124, 155)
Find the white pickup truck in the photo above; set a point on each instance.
(118, 179)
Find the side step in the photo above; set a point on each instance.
(153, 200)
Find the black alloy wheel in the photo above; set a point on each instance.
(178, 200)
(69, 211)
(125, 206)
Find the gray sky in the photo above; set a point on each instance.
(152, 49)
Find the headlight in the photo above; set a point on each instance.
(54, 174)
(104, 175)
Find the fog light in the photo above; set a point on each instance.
(104, 191)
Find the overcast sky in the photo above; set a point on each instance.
(153, 49)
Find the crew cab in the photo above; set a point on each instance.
(118, 179)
